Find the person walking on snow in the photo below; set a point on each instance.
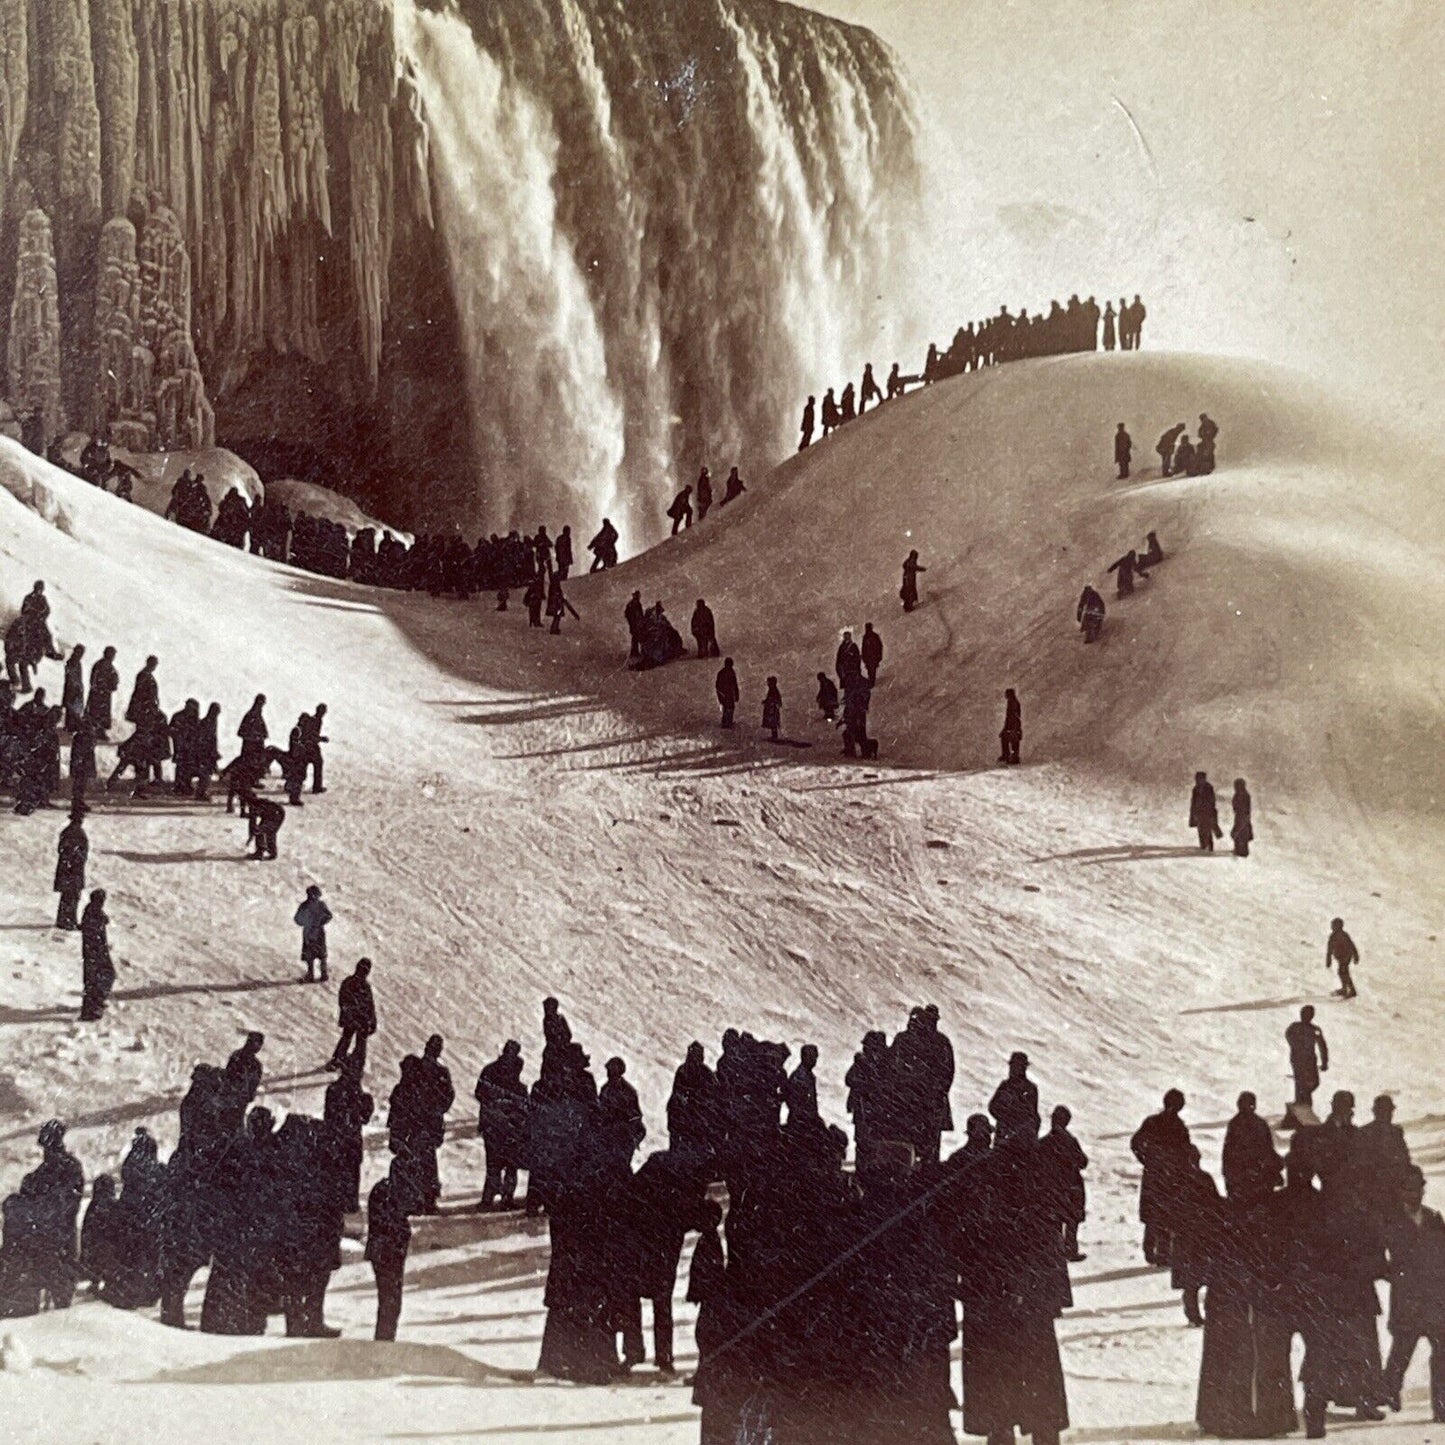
(1123, 448)
(311, 918)
(681, 510)
(356, 1016)
(1340, 951)
(773, 709)
(1309, 1055)
(871, 652)
(1013, 728)
(909, 590)
(728, 692)
(1204, 813)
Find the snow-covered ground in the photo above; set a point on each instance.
(513, 814)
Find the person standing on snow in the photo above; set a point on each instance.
(1340, 950)
(1204, 813)
(728, 692)
(311, 918)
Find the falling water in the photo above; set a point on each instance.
(665, 225)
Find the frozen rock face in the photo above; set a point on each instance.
(488, 262)
(32, 352)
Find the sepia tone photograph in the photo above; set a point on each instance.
(830, 622)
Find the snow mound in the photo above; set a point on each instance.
(1292, 634)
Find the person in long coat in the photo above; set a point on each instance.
(73, 850)
(104, 682)
(1204, 813)
(72, 697)
(1064, 1161)
(1245, 1388)
(502, 1122)
(1014, 1284)
(97, 969)
(1242, 829)
(908, 592)
(1162, 1145)
(145, 699)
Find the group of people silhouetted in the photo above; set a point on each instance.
(1295, 1245)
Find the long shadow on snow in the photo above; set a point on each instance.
(117, 1114)
(1129, 853)
(590, 676)
(1250, 1006)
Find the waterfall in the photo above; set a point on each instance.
(664, 226)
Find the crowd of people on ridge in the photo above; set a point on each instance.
(1071, 327)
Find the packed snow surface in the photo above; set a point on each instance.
(513, 814)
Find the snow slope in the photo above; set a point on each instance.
(513, 814)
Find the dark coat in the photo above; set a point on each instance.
(871, 650)
(728, 691)
(1417, 1273)
(502, 1112)
(73, 850)
(1161, 1144)
(1251, 1164)
(1203, 810)
(145, 698)
(388, 1231)
(356, 1008)
(104, 681)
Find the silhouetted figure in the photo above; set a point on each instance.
(264, 818)
(704, 630)
(309, 729)
(1109, 339)
(100, 1234)
(829, 412)
(1384, 1157)
(848, 664)
(1136, 323)
(619, 1117)
(72, 697)
(1063, 1162)
(702, 494)
(1015, 1103)
(564, 552)
(1089, 614)
(694, 1116)
(868, 391)
(857, 695)
(1340, 952)
(502, 1122)
(1242, 829)
(800, 1093)
(773, 709)
(896, 385)
(82, 766)
(104, 682)
(633, 614)
(1415, 1237)
(97, 970)
(1186, 459)
(388, 1237)
(1125, 567)
(240, 1082)
(1204, 453)
(252, 731)
(72, 850)
(827, 697)
(604, 547)
(356, 1017)
(39, 1260)
(728, 692)
(1251, 1165)
(846, 411)
(416, 1122)
(923, 1061)
(1153, 553)
(145, 700)
(681, 510)
(311, 918)
(1012, 734)
(809, 425)
(1162, 1145)
(734, 489)
(909, 590)
(533, 598)
(870, 651)
(1123, 442)
(1165, 449)
(656, 1208)
(1204, 813)
(557, 604)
